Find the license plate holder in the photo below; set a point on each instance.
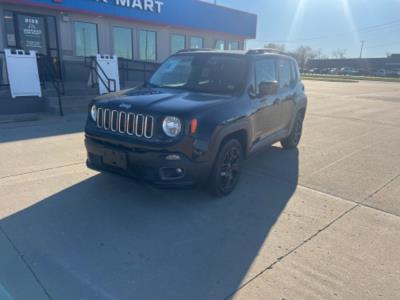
(117, 159)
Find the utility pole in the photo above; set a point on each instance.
(362, 48)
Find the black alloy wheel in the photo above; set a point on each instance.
(226, 171)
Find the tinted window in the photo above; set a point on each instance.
(122, 38)
(265, 71)
(177, 43)
(147, 45)
(52, 32)
(284, 70)
(32, 33)
(9, 29)
(85, 39)
(202, 73)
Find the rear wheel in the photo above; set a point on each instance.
(226, 171)
(294, 138)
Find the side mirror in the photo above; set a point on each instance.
(267, 88)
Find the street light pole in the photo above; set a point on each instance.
(362, 48)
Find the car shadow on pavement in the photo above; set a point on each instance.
(109, 237)
(49, 126)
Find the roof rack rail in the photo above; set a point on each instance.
(264, 50)
(195, 50)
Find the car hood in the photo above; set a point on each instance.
(162, 101)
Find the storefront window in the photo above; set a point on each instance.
(196, 42)
(122, 38)
(220, 45)
(234, 45)
(147, 45)
(85, 39)
(177, 43)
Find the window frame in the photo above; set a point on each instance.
(132, 40)
(156, 44)
(177, 35)
(73, 23)
(196, 37)
(216, 42)
(229, 43)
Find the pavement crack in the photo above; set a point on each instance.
(41, 170)
(21, 256)
(281, 258)
(381, 188)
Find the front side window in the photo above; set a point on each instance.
(147, 45)
(234, 45)
(196, 42)
(220, 45)
(177, 43)
(265, 72)
(85, 39)
(219, 74)
(284, 70)
(122, 40)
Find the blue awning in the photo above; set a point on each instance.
(193, 14)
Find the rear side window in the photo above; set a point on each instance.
(295, 72)
(265, 71)
(285, 73)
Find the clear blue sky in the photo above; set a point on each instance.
(326, 24)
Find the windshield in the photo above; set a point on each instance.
(220, 74)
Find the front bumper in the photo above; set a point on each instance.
(149, 165)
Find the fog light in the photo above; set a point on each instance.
(172, 173)
(173, 157)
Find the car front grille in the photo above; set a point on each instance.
(129, 123)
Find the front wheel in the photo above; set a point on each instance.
(226, 171)
(294, 138)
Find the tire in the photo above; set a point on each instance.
(226, 170)
(294, 138)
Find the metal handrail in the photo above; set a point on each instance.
(95, 67)
(123, 65)
(57, 83)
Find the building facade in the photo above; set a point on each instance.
(67, 31)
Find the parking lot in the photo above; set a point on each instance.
(320, 222)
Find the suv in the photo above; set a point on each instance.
(198, 116)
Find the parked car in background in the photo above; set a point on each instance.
(314, 71)
(379, 73)
(334, 71)
(347, 71)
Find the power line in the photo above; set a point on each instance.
(366, 29)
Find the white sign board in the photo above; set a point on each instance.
(108, 64)
(23, 74)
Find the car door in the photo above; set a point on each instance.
(288, 80)
(268, 110)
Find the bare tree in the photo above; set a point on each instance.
(303, 54)
(275, 46)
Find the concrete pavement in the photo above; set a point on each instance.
(320, 222)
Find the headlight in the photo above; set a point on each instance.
(93, 113)
(172, 126)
